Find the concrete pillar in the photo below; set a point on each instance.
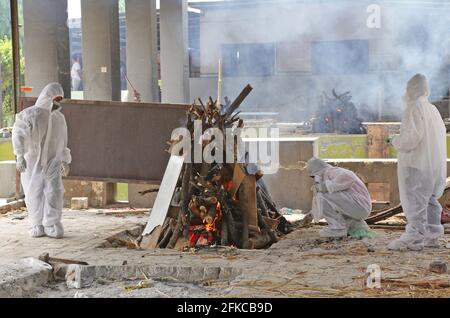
(46, 44)
(142, 49)
(174, 51)
(101, 49)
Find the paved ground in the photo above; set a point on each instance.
(301, 265)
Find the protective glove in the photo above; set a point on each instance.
(320, 187)
(21, 164)
(65, 169)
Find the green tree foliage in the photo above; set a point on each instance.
(121, 6)
(7, 80)
(6, 65)
(6, 83)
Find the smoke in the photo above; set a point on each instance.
(291, 51)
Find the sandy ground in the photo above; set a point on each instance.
(300, 265)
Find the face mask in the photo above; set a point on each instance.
(56, 105)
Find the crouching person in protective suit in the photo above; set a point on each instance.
(341, 198)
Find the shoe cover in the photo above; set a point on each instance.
(431, 242)
(404, 245)
(37, 231)
(54, 231)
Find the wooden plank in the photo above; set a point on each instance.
(238, 178)
(162, 203)
(249, 202)
(151, 241)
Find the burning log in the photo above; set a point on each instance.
(221, 203)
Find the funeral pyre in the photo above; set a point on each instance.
(337, 114)
(216, 203)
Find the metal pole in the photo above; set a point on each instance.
(16, 52)
(16, 72)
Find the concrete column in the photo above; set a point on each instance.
(142, 49)
(101, 49)
(46, 44)
(174, 51)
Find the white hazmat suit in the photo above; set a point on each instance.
(40, 144)
(340, 197)
(422, 168)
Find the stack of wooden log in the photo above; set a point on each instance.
(221, 203)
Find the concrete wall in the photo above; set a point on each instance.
(99, 194)
(136, 200)
(374, 171)
(290, 186)
(8, 179)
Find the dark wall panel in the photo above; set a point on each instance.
(119, 142)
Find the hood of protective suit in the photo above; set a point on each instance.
(417, 88)
(45, 99)
(315, 166)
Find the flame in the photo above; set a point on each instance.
(213, 226)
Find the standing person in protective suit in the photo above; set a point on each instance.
(40, 144)
(422, 168)
(341, 198)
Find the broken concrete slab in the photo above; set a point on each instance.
(182, 274)
(80, 276)
(20, 278)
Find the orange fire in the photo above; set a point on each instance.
(213, 226)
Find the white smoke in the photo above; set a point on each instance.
(413, 37)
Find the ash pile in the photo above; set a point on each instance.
(337, 114)
(214, 203)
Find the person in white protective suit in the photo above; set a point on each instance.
(340, 197)
(422, 168)
(40, 144)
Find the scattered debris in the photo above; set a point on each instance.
(45, 257)
(141, 285)
(128, 238)
(12, 206)
(148, 191)
(432, 284)
(439, 267)
(80, 295)
(445, 218)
